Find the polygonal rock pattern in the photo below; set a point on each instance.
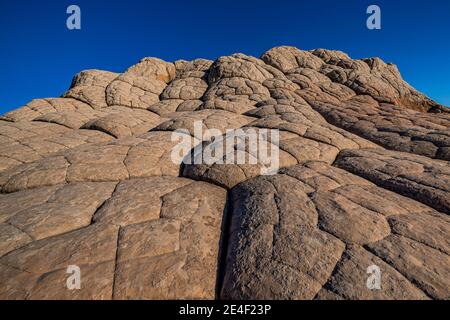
(391, 126)
(123, 122)
(141, 85)
(311, 229)
(89, 86)
(27, 142)
(39, 107)
(103, 180)
(426, 180)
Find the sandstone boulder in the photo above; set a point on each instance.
(112, 179)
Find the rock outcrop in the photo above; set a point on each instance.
(89, 180)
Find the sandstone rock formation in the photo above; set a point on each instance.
(88, 180)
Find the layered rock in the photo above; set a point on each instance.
(91, 180)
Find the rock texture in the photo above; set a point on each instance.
(88, 180)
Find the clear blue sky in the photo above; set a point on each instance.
(39, 55)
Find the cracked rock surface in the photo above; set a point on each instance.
(89, 180)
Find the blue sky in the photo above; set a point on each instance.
(39, 55)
